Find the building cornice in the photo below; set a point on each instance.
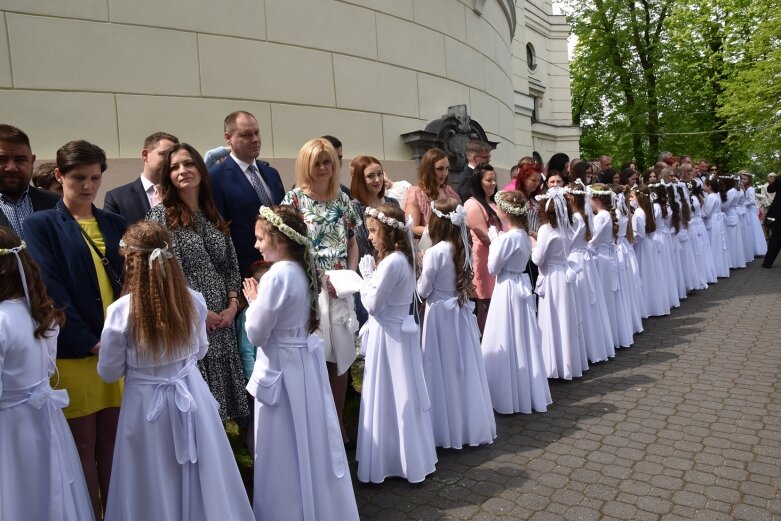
(508, 8)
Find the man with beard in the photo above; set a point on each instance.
(18, 200)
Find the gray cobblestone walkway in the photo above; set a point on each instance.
(686, 424)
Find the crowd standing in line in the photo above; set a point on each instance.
(121, 323)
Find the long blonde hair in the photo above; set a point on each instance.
(163, 318)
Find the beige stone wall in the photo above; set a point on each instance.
(113, 71)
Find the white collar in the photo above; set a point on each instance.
(146, 183)
(241, 163)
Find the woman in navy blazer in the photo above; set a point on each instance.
(75, 244)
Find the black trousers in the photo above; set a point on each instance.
(774, 244)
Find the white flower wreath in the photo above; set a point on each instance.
(269, 215)
(390, 221)
(507, 207)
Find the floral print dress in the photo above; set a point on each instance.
(329, 224)
(209, 263)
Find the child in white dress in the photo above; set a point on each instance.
(301, 470)
(702, 248)
(40, 475)
(752, 215)
(735, 244)
(172, 459)
(511, 343)
(649, 258)
(461, 411)
(628, 270)
(563, 345)
(661, 212)
(604, 234)
(713, 217)
(694, 273)
(590, 299)
(395, 435)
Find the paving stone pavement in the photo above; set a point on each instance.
(684, 425)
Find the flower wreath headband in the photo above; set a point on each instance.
(155, 254)
(604, 192)
(269, 215)
(384, 219)
(509, 208)
(395, 223)
(15, 250)
(458, 218)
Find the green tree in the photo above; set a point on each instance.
(699, 77)
(751, 98)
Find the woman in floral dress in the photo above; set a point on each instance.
(331, 221)
(202, 243)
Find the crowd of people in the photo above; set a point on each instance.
(204, 291)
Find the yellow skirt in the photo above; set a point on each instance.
(87, 392)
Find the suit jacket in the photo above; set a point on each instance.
(41, 199)
(130, 201)
(465, 186)
(774, 210)
(55, 241)
(238, 203)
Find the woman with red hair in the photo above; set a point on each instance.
(529, 183)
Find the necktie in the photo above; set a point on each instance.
(157, 195)
(257, 184)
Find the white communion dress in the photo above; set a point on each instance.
(395, 435)
(714, 219)
(40, 471)
(172, 459)
(461, 411)
(563, 346)
(649, 261)
(590, 299)
(301, 470)
(512, 344)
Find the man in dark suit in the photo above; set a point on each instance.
(774, 212)
(477, 152)
(241, 184)
(18, 200)
(133, 200)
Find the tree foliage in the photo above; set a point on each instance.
(696, 77)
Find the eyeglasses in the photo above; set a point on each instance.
(713, 169)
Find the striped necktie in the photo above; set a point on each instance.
(257, 184)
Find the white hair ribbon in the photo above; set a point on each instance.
(15, 250)
(155, 254)
(458, 218)
(555, 195)
(621, 204)
(159, 254)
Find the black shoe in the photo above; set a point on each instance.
(766, 266)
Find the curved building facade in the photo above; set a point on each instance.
(112, 72)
